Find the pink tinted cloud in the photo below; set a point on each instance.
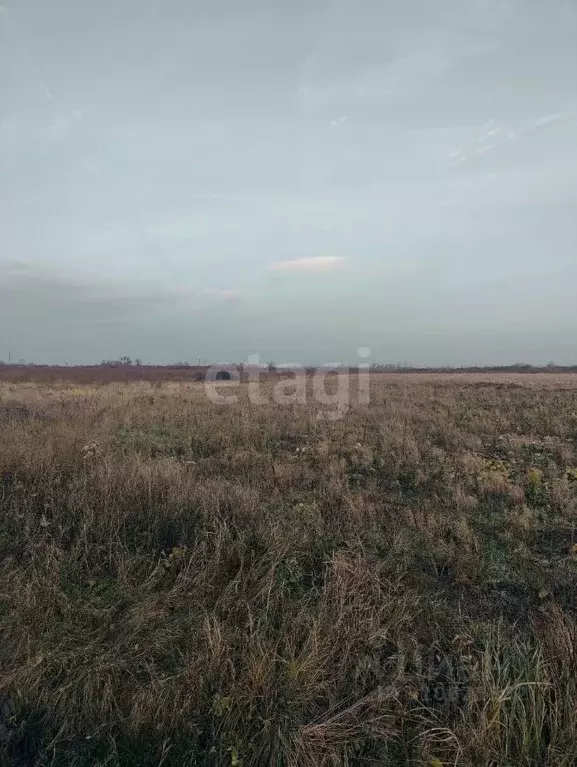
(309, 265)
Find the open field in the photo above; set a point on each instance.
(134, 373)
(191, 584)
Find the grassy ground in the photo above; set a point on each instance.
(188, 584)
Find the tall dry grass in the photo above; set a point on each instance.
(187, 584)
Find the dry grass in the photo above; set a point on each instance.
(187, 584)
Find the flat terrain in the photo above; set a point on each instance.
(184, 583)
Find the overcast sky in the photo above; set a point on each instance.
(294, 178)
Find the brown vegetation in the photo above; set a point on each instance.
(188, 584)
(132, 372)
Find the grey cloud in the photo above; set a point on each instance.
(47, 315)
(28, 290)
